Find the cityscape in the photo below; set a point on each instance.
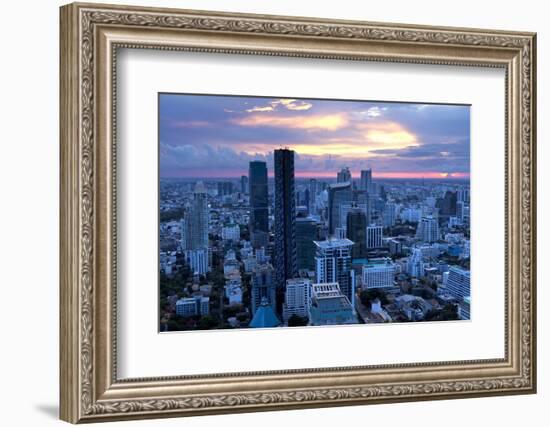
(279, 212)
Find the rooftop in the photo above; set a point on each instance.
(333, 243)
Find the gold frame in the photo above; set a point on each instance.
(90, 36)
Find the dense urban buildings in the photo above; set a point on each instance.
(262, 236)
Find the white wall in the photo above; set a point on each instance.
(29, 169)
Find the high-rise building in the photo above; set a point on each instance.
(244, 184)
(447, 205)
(415, 263)
(378, 273)
(312, 195)
(333, 264)
(374, 236)
(196, 221)
(428, 229)
(225, 188)
(306, 234)
(366, 180)
(458, 282)
(356, 231)
(263, 287)
(285, 218)
(338, 194)
(197, 260)
(388, 216)
(259, 213)
(344, 175)
(460, 210)
(297, 298)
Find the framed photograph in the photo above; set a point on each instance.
(265, 213)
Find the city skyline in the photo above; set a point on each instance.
(260, 234)
(212, 136)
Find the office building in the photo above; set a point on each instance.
(198, 261)
(458, 282)
(297, 298)
(333, 264)
(285, 218)
(196, 221)
(356, 231)
(244, 184)
(193, 306)
(374, 236)
(428, 229)
(344, 175)
(338, 195)
(378, 273)
(388, 216)
(366, 180)
(259, 211)
(415, 263)
(231, 232)
(306, 234)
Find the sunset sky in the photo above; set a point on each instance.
(217, 136)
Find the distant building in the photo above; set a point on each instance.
(259, 210)
(344, 175)
(329, 306)
(244, 184)
(263, 287)
(333, 264)
(231, 232)
(356, 231)
(374, 236)
(458, 283)
(225, 188)
(378, 273)
(396, 247)
(306, 234)
(193, 306)
(297, 298)
(447, 205)
(197, 260)
(415, 263)
(464, 309)
(285, 218)
(366, 180)
(428, 229)
(338, 194)
(196, 221)
(388, 216)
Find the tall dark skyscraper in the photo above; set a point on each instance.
(356, 231)
(259, 220)
(285, 218)
(306, 234)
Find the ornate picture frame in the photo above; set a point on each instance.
(90, 37)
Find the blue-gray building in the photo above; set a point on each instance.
(259, 211)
